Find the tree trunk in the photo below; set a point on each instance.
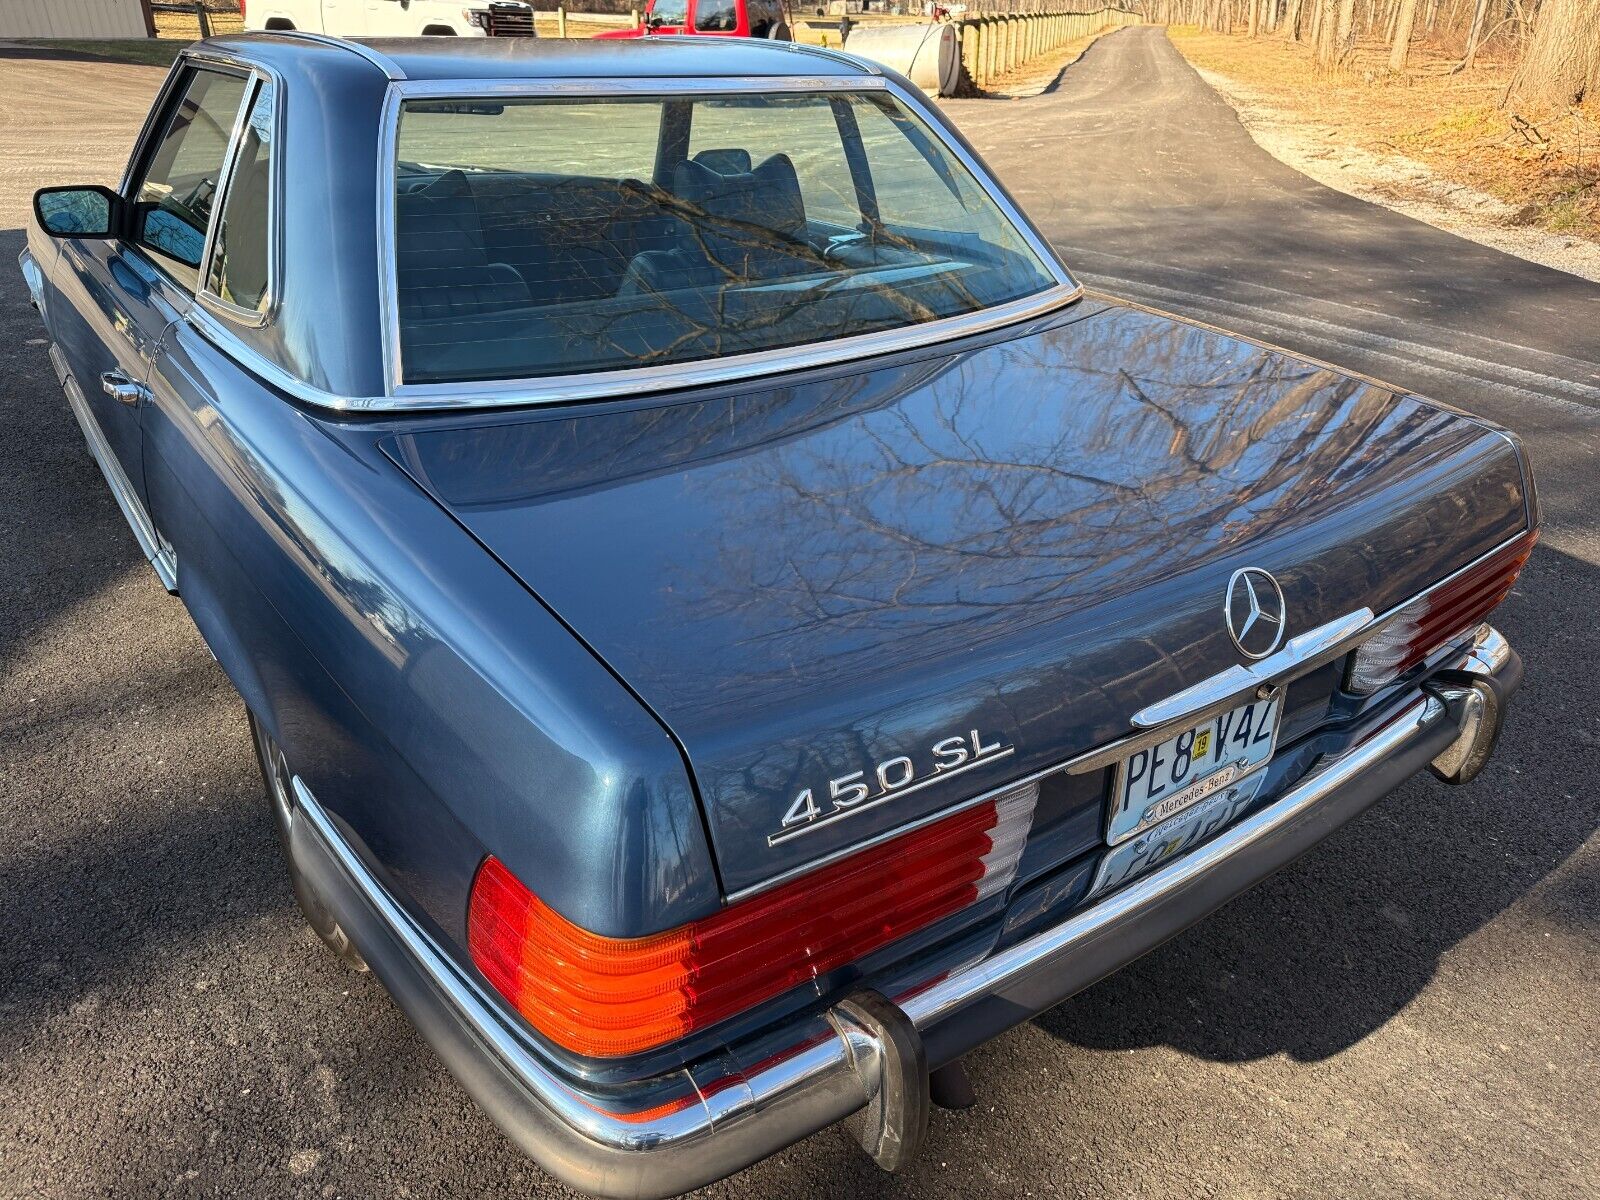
(1255, 18)
(1401, 46)
(1347, 24)
(1479, 11)
(1291, 21)
(1325, 34)
(1561, 66)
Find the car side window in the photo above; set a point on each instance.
(765, 17)
(173, 201)
(239, 263)
(716, 16)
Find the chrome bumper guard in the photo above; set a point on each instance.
(865, 1056)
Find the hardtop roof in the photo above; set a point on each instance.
(470, 59)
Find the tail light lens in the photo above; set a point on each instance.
(604, 996)
(1438, 618)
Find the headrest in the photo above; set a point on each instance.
(767, 197)
(725, 162)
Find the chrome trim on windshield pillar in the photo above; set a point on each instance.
(401, 396)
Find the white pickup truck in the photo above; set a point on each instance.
(393, 18)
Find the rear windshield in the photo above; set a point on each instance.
(548, 237)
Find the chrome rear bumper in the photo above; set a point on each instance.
(747, 1103)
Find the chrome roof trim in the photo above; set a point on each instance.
(866, 66)
(404, 397)
(645, 85)
(388, 66)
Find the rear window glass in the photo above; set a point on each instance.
(548, 237)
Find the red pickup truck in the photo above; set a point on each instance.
(718, 18)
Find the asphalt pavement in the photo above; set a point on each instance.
(1410, 1010)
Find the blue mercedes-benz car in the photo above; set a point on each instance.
(729, 623)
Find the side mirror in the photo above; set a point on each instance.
(90, 211)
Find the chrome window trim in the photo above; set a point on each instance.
(147, 130)
(403, 397)
(222, 64)
(250, 317)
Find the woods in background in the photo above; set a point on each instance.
(1554, 43)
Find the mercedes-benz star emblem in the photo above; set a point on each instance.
(1255, 611)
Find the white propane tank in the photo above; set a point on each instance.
(928, 55)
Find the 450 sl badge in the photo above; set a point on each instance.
(893, 777)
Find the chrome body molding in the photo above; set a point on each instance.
(743, 1104)
(729, 1122)
(159, 555)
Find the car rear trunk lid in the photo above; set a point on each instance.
(931, 576)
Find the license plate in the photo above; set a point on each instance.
(1159, 782)
(1175, 836)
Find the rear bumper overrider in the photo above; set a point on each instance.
(869, 1056)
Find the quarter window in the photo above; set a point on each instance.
(172, 207)
(239, 262)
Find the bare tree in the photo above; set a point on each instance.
(1475, 34)
(1400, 47)
(1562, 64)
(1291, 21)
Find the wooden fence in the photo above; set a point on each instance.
(995, 44)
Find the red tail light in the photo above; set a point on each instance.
(605, 996)
(1440, 617)
(241, 10)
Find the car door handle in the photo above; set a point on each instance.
(122, 389)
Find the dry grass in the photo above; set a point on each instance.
(1545, 165)
(185, 27)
